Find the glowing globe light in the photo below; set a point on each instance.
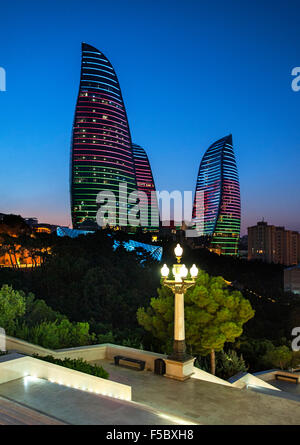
(178, 251)
(165, 271)
(183, 271)
(194, 271)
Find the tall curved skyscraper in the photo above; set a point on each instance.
(145, 184)
(217, 205)
(101, 156)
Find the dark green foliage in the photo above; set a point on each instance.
(77, 365)
(214, 314)
(265, 279)
(279, 357)
(12, 307)
(253, 351)
(135, 338)
(37, 311)
(55, 334)
(229, 363)
(203, 362)
(34, 321)
(85, 279)
(276, 311)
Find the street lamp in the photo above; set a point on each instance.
(179, 286)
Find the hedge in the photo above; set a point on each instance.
(77, 365)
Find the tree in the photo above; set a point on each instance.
(38, 311)
(280, 357)
(214, 315)
(159, 318)
(14, 225)
(9, 245)
(253, 351)
(12, 306)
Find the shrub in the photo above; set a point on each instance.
(280, 357)
(56, 335)
(76, 364)
(229, 364)
(12, 306)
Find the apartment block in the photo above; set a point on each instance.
(273, 244)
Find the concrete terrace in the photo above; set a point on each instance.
(204, 402)
(32, 401)
(133, 397)
(12, 413)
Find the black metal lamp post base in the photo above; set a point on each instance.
(179, 352)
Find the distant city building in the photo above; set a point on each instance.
(172, 230)
(102, 150)
(34, 224)
(32, 221)
(145, 184)
(273, 244)
(219, 214)
(292, 279)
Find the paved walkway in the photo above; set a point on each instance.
(156, 401)
(12, 413)
(76, 407)
(204, 402)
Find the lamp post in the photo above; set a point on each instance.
(179, 286)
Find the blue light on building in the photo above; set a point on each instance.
(130, 245)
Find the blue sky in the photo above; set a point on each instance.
(190, 72)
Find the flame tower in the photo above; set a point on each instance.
(101, 155)
(145, 184)
(218, 189)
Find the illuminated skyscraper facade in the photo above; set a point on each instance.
(101, 156)
(145, 183)
(218, 210)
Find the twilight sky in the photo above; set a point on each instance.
(190, 71)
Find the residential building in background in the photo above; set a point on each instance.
(273, 244)
(145, 183)
(217, 205)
